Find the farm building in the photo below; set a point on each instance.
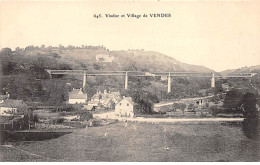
(12, 106)
(125, 107)
(76, 96)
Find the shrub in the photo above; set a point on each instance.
(214, 110)
(75, 119)
(180, 106)
(160, 113)
(57, 120)
(167, 108)
(60, 120)
(70, 108)
(144, 107)
(232, 99)
(85, 115)
(35, 118)
(66, 108)
(191, 107)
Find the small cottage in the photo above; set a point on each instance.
(76, 96)
(125, 107)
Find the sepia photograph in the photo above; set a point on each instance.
(130, 81)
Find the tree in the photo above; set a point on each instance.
(30, 48)
(8, 68)
(56, 92)
(17, 49)
(144, 107)
(232, 100)
(43, 47)
(251, 122)
(28, 119)
(85, 115)
(218, 87)
(96, 66)
(143, 99)
(6, 51)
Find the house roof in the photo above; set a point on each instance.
(129, 99)
(76, 91)
(88, 107)
(77, 94)
(93, 102)
(13, 103)
(107, 101)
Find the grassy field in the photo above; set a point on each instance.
(140, 142)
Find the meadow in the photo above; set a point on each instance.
(126, 141)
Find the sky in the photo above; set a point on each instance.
(219, 35)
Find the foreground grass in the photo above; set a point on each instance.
(141, 142)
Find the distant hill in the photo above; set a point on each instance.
(227, 72)
(251, 69)
(253, 84)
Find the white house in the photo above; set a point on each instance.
(76, 96)
(125, 107)
(10, 107)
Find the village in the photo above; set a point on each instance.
(103, 105)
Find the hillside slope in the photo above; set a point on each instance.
(133, 59)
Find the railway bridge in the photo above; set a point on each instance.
(126, 74)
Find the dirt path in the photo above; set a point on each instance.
(111, 115)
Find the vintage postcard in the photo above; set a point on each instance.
(130, 81)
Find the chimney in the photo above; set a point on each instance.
(7, 95)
